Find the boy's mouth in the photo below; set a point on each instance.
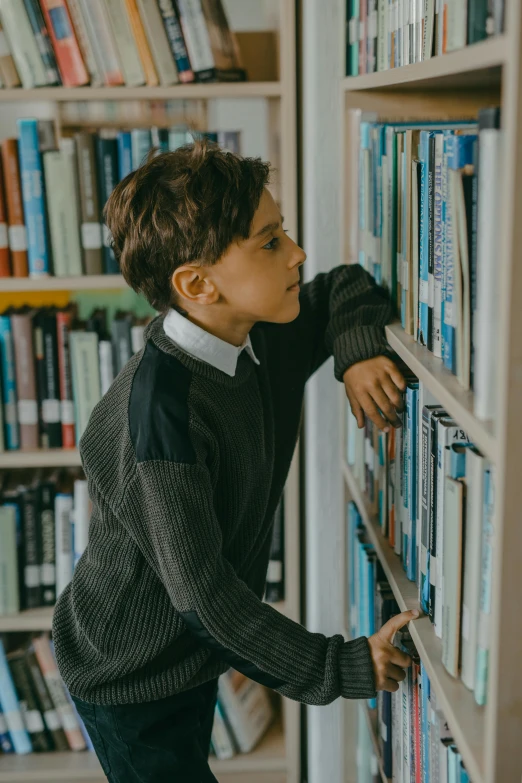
(294, 287)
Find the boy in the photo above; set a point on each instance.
(186, 457)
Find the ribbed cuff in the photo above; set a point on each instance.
(357, 345)
(355, 663)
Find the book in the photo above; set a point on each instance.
(121, 340)
(486, 576)
(43, 40)
(91, 230)
(6, 746)
(11, 707)
(176, 41)
(97, 25)
(158, 42)
(47, 532)
(70, 61)
(107, 159)
(33, 198)
(21, 325)
(477, 21)
(8, 385)
(23, 45)
(221, 736)
(212, 48)
(81, 519)
(31, 715)
(94, 67)
(60, 168)
(8, 72)
(9, 577)
(64, 556)
(63, 328)
(454, 499)
(85, 377)
(247, 707)
(31, 547)
(141, 146)
(128, 53)
(124, 154)
(145, 54)
(44, 700)
(17, 234)
(46, 358)
(275, 584)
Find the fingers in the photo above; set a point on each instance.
(393, 625)
(372, 411)
(387, 408)
(393, 394)
(395, 673)
(390, 685)
(357, 411)
(400, 658)
(396, 376)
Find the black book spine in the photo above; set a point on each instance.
(477, 20)
(48, 550)
(435, 416)
(32, 716)
(51, 419)
(121, 343)
(176, 40)
(45, 702)
(431, 239)
(275, 582)
(32, 556)
(43, 41)
(41, 380)
(107, 162)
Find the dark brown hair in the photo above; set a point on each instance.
(179, 207)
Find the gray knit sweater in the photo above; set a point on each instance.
(185, 467)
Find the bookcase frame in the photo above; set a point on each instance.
(451, 86)
(277, 759)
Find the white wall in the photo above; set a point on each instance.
(323, 26)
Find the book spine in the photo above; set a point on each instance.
(486, 578)
(221, 736)
(424, 240)
(477, 21)
(9, 576)
(63, 506)
(275, 586)
(32, 716)
(87, 51)
(7, 355)
(11, 708)
(107, 158)
(124, 154)
(452, 572)
(8, 70)
(6, 745)
(82, 513)
(43, 41)
(32, 549)
(448, 327)
(85, 377)
(125, 44)
(28, 59)
(140, 37)
(70, 61)
(71, 209)
(33, 198)
(53, 175)
(91, 231)
(430, 237)
(100, 35)
(157, 40)
(106, 365)
(5, 261)
(63, 325)
(56, 689)
(176, 41)
(25, 380)
(197, 39)
(411, 412)
(141, 146)
(438, 233)
(425, 468)
(45, 703)
(15, 213)
(50, 401)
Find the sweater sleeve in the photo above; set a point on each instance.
(343, 313)
(179, 531)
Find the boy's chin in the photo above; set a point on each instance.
(286, 314)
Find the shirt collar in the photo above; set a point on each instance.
(204, 346)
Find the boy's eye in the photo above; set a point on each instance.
(272, 244)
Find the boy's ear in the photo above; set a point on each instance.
(191, 285)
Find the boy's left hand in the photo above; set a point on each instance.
(374, 388)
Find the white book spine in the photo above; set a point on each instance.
(470, 598)
(63, 506)
(22, 43)
(100, 36)
(158, 42)
(53, 165)
(93, 65)
(452, 574)
(486, 579)
(106, 365)
(196, 34)
(247, 708)
(9, 595)
(82, 513)
(438, 243)
(127, 50)
(487, 314)
(85, 377)
(137, 338)
(221, 739)
(382, 40)
(72, 207)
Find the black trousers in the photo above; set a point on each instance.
(165, 741)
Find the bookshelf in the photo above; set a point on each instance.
(277, 758)
(456, 85)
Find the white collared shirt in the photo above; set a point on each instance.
(204, 346)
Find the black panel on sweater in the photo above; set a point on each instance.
(247, 668)
(158, 408)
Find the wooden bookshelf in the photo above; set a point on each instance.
(205, 91)
(456, 85)
(278, 757)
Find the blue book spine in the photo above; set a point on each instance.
(360, 590)
(124, 154)
(176, 40)
(141, 142)
(448, 262)
(11, 708)
(486, 574)
(412, 394)
(438, 238)
(6, 746)
(364, 184)
(12, 432)
(354, 38)
(370, 575)
(33, 198)
(353, 524)
(406, 493)
(424, 158)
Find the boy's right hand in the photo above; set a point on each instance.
(388, 661)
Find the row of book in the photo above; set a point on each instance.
(44, 525)
(52, 193)
(37, 714)
(430, 206)
(414, 740)
(384, 34)
(116, 42)
(433, 494)
(55, 368)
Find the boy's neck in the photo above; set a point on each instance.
(230, 330)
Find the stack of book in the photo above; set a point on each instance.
(37, 713)
(430, 205)
(384, 34)
(275, 578)
(433, 494)
(52, 194)
(415, 742)
(55, 368)
(116, 42)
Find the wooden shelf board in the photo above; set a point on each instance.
(445, 387)
(176, 91)
(269, 756)
(40, 458)
(476, 66)
(79, 283)
(465, 718)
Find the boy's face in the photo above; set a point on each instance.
(258, 278)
